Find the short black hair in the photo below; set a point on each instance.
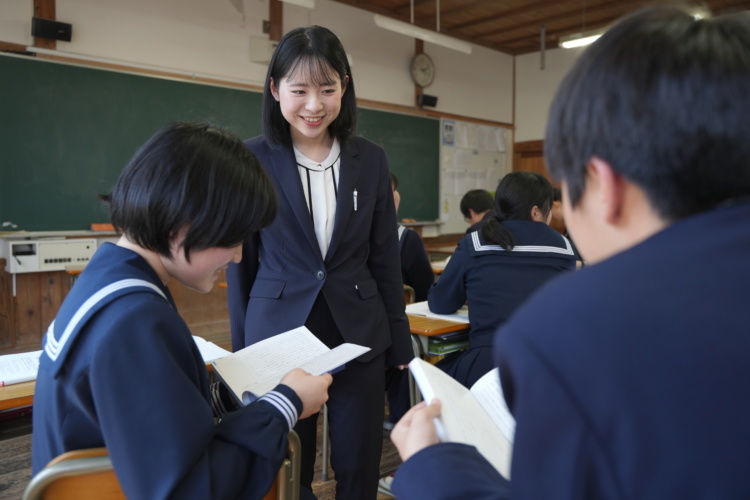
(193, 175)
(317, 50)
(556, 194)
(517, 194)
(479, 200)
(664, 98)
(394, 181)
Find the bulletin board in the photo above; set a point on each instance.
(472, 156)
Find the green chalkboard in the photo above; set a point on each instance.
(67, 132)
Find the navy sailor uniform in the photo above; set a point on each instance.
(120, 370)
(495, 282)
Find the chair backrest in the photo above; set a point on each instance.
(80, 474)
(88, 475)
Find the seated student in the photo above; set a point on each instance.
(628, 379)
(476, 206)
(496, 269)
(416, 269)
(120, 368)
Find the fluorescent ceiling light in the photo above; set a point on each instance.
(421, 33)
(580, 39)
(308, 4)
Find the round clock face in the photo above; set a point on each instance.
(422, 70)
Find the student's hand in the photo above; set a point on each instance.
(311, 389)
(416, 430)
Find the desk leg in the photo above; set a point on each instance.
(324, 450)
(415, 397)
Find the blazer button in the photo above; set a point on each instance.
(320, 275)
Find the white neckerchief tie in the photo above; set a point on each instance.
(320, 185)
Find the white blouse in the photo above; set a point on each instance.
(320, 182)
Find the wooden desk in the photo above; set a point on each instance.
(427, 327)
(438, 266)
(17, 395)
(422, 325)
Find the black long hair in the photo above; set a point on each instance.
(318, 50)
(517, 194)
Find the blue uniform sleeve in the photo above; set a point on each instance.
(149, 387)
(449, 293)
(384, 262)
(449, 471)
(415, 265)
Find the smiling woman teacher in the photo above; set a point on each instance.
(330, 260)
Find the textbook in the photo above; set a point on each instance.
(17, 368)
(439, 347)
(476, 416)
(257, 369)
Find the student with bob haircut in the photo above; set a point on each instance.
(120, 368)
(496, 269)
(330, 260)
(628, 379)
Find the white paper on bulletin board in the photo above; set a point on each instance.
(472, 156)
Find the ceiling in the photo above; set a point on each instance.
(514, 26)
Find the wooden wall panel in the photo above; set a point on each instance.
(25, 318)
(529, 156)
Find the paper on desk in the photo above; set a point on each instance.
(17, 368)
(422, 309)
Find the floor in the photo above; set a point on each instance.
(15, 462)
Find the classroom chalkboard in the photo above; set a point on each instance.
(68, 130)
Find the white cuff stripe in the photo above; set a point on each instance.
(285, 407)
(218, 404)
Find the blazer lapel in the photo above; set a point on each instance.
(287, 173)
(349, 177)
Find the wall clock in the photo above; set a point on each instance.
(422, 69)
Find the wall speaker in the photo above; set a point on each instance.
(54, 30)
(427, 100)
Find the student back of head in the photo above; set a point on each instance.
(476, 207)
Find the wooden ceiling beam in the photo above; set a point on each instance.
(548, 21)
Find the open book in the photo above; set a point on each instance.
(17, 368)
(258, 368)
(478, 417)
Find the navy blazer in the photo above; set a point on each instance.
(282, 270)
